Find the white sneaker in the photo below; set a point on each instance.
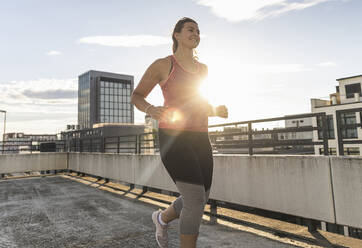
(161, 231)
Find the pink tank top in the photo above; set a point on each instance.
(181, 95)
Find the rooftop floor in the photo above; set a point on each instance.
(70, 211)
(60, 212)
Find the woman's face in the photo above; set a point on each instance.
(189, 35)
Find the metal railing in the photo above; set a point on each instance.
(31, 146)
(14, 147)
(233, 138)
(277, 145)
(147, 143)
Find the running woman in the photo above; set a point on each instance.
(183, 131)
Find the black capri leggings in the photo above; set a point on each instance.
(187, 157)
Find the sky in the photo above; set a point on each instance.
(266, 58)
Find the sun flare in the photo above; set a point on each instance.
(210, 90)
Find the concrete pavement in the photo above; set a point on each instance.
(59, 212)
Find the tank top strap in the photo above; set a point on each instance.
(180, 67)
(174, 64)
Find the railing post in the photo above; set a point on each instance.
(80, 145)
(103, 149)
(136, 145)
(144, 189)
(155, 141)
(250, 138)
(213, 211)
(139, 144)
(91, 144)
(339, 134)
(325, 134)
(312, 225)
(118, 141)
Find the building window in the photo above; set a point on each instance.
(347, 151)
(353, 88)
(330, 127)
(114, 101)
(331, 151)
(351, 151)
(349, 133)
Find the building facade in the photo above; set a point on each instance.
(22, 143)
(343, 108)
(104, 97)
(299, 122)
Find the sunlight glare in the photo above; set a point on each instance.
(176, 116)
(231, 84)
(210, 91)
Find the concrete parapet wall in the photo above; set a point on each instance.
(347, 186)
(149, 171)
(296, 185)
(14, 163)
(146, 170)
(108, 165)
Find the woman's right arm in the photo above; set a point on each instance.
(149, 80)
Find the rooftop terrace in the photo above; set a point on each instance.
(106, 200)
(60, 212)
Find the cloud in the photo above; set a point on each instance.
(53, 53)
(327, 64)
(51, 94)
(42, 94)
(45, 105)
(39, 123)
(236, 10)
(126, 40)
(36, 116)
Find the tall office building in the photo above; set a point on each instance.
(104, 97)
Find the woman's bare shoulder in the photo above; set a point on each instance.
(203, 68)
(162, 63)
